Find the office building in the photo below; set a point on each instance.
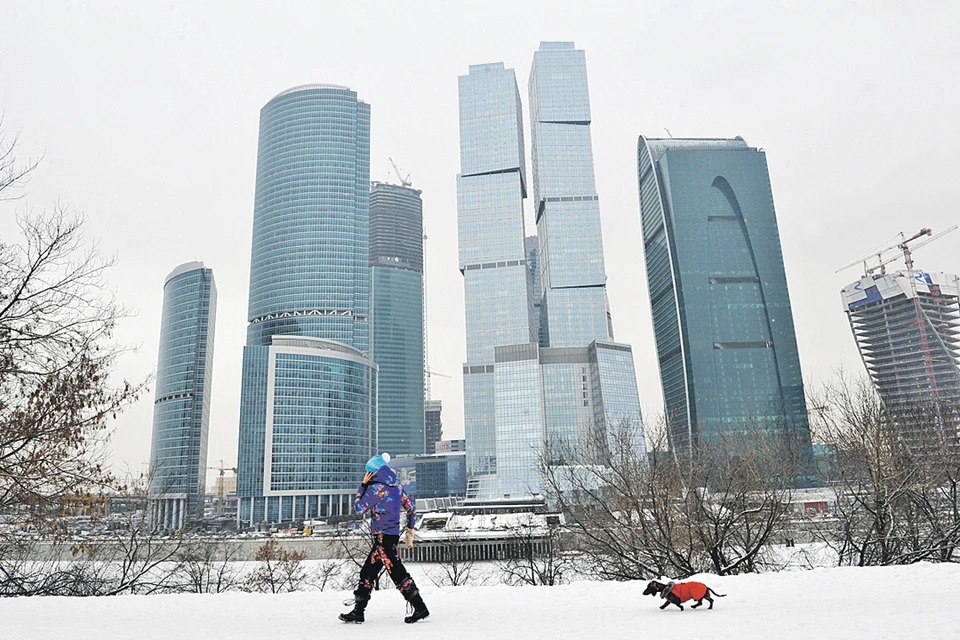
(565, 200)
(490, 191)
(433, 424)
(442, 475)
(451, 446)
(308, 406)
(181, 408)
(718, 292)
(531, 246)
(542, 364)
(396, 263)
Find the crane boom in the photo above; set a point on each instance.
(404, 180)
(903, 248)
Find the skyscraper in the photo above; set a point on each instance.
(490, 191)
(308, 414)
(181, 410)
(718, 291)
(907, 328)
(396, 262)
(433, 424)
(567, 208)
(551, 368)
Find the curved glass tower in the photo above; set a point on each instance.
(309, 272)
(181, 410)
(308, 400)
(718, 291)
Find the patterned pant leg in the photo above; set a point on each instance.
(398, 573)
(372, 566)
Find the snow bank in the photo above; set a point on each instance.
(891, 602)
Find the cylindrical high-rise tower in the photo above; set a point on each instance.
(309, 266)
(308, 409)
(181, 410)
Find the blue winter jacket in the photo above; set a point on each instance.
(384, 497)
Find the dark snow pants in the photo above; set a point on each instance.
(384, 554)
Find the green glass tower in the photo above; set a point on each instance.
(718, 291)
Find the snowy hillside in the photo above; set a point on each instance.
(896, 602)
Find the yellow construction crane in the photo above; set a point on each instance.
(220, 490)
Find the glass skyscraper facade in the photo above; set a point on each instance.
(718, 291)
(396, 263)
(309, 266)
(490, 191)
(541, 362)
(308, 414)
(567, 208)
(181, 410)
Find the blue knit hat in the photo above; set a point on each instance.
(373, 464)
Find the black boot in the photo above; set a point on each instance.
(360, 600)
(419, 609)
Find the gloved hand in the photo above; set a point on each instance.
(408, 539)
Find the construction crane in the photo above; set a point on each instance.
(426, 343)
(220, 491)
(427, 375)
(404, 180)
(903, 249)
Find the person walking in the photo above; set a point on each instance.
(382, 496)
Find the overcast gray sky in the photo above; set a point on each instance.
(147, 115)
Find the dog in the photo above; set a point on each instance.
(677, 592)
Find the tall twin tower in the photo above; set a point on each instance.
(542, 364)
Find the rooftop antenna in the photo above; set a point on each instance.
(404, 180)
(668, 132)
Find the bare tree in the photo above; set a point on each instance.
(637, 516)
(130, 558)
(57, 318)
(895, 478)
(13, 174)
(456, 565)
(355, 543)
(278, 570)
(208, 566)
(330, 574)
(536, 557)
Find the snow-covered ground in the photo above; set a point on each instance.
(916, 601)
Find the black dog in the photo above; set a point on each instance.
(676, 593)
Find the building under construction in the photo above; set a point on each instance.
(907, 328)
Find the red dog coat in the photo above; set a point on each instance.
(689, 591)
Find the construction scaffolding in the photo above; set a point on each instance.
(907, 328)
